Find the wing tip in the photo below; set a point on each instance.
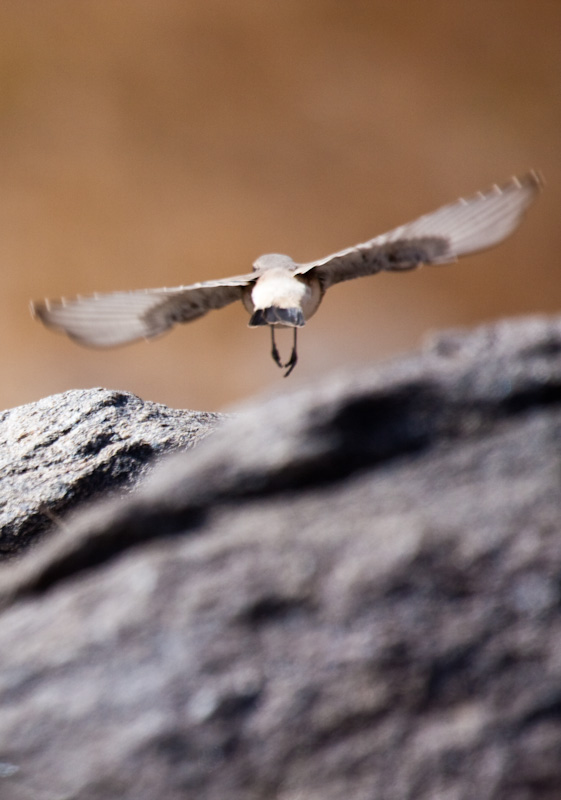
(533, 179)
(39, 309)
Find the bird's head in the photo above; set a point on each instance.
(273, 261)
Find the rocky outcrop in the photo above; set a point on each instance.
(353, 590)
(72, 447)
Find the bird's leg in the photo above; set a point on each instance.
(274, 351)
(291, 363)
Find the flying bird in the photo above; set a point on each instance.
(282, 293)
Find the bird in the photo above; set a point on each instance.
(282, 293)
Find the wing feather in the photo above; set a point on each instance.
(458, 229)
(106, 320)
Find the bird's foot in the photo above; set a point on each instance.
(291, 363)
(274, 350)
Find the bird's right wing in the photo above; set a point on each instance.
(466, 226)
(106, 320)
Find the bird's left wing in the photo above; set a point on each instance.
(466, 226)
(106, 320)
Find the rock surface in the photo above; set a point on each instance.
(352, 591)
(72, 447)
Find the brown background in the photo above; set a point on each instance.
(160, 142)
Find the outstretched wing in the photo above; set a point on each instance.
(105, 320)
(455, 230)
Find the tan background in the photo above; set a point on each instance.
(159, 142)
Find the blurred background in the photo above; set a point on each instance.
(148, 143)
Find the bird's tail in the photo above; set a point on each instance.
(291, 317)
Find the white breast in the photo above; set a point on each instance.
(282, 289)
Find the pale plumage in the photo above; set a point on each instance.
(282, 293)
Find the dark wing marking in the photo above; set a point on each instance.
(106, 320)
(466, 226)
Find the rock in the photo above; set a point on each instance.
(72, 447)
(352, 590)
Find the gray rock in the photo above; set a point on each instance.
(72, 447)
(351, 591)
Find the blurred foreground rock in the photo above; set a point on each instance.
(352, 591)
(72, 447)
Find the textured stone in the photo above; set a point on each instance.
(349, 591)
(72, 447)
